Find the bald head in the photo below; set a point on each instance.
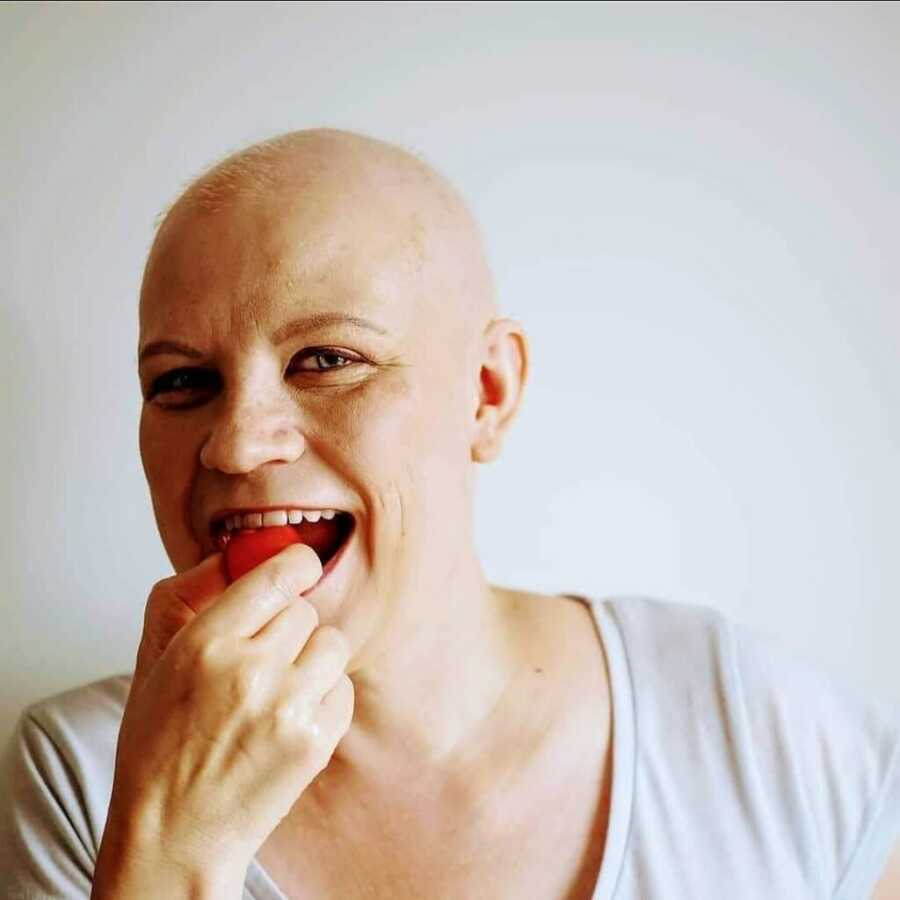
(340, 174)
(305, 158)
(323, 300)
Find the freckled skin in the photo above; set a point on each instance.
(467, 726)
(394, 439)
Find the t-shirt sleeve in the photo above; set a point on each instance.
(56, 777)
(45, 842)
(832, 752)
(879, 833)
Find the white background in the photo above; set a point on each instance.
(692, 208)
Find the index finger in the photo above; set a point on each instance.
(200, 586)
(255, 598)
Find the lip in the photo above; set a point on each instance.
(332, 563)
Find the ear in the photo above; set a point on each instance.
(501, 383)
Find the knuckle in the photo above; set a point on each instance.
(157, 600)
(246, 684)
(333, 641)
(345, 701)
(204, 654)
(292, 569)
(345, 684)
(308, 611)
(285, 578)
(280, 582)
(305, 739)
(346, 692)
(161, 586)
(290, 718)
(317, 744)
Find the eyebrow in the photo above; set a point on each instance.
(284, 333)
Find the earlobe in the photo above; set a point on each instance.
(486, 448)
(501, 379)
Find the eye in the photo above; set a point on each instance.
(326, 354)
(183, 380)
(195, 384)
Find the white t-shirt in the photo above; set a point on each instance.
(740, 770)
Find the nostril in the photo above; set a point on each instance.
(250, 439)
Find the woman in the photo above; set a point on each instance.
(361, 713)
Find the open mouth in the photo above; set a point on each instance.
(325, 535)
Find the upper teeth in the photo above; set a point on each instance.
(277, 517)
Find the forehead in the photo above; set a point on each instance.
(269, 256)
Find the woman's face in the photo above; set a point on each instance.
(273, 398)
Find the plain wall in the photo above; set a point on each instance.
(693, 209)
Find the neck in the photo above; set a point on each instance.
(433, 683)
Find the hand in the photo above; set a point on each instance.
(238, 701)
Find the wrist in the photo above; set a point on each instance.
(133, 868)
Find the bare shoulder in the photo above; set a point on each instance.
(564, 648)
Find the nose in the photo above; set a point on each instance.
(251, 432)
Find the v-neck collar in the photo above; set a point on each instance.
(262, 887)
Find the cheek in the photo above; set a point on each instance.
(165, 456)
(154, 442)
(404, 438)
(149, 442)
(385, 425)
